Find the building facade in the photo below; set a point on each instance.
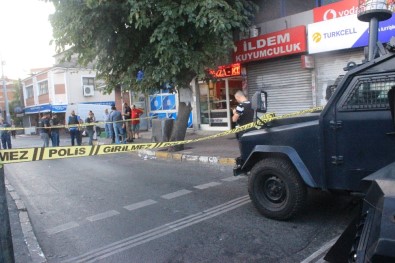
(293, 57)
(59, 90)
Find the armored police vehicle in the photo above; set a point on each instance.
(352, 137)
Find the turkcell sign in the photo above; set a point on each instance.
(276, 44)
(345, 32)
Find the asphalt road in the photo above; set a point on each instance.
(119, 208)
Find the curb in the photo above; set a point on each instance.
(148, 154)
(35, 251)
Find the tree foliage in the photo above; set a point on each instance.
(171, 41)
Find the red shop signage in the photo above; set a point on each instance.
(335, 10)
(277, 44)
(226, 71)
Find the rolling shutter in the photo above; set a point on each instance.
(329, 66)
(288, 85)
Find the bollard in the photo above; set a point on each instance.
(6, 248)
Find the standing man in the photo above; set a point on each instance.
(107, 124)
(127, 114)
(45, 129)
(5, 135)
(54, 122)
(116, 118)
(90, 120)
(136, 121)
(74, 131)
(243, 113)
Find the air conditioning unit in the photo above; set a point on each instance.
(88, 90)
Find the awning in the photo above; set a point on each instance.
(38, 109)
(46, 108)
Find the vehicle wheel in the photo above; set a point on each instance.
(276, 189)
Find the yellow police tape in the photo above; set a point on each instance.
(81, 125)
(50, 153)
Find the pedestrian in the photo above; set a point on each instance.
(5, 135)
(136, 112)
(54, 123)
(44, 129)
(116, 118)
(74, 122)
(13, 131)
(127, 114)
(243, 113)
(90, 128)
(107, 125)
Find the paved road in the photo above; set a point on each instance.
(119, 208)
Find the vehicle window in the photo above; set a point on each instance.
(369, 94)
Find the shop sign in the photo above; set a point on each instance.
(277, 44)
(226, 71)
(38, 109)
(336, 10)
(59, 108)
(345, 32)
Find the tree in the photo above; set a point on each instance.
(171, 41)
(17, 101)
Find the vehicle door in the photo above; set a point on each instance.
(361, 139)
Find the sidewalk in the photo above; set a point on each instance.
(222, 150)
(218, 151)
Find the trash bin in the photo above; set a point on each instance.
(161, 129)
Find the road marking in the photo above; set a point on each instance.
(155, 233)
(62, 228)
(140, 204)
(319, 253)
(102, 215)
(231, 178)
(208, 185)
(176, 194)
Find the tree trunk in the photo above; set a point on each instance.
(180, 126)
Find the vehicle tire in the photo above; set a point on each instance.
(276, 189)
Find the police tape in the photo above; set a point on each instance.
(8, 156)
(81, 125)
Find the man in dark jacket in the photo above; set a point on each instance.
(243, 113)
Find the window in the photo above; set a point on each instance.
(369, 94)
(29, 92)
(42, 87)
(88, 81)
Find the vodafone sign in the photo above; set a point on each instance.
(276, 44)
(336, 10)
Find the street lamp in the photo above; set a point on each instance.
(7, 109)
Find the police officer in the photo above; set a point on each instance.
(243, 113)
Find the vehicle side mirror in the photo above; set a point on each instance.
(391, 101)
(259, 101)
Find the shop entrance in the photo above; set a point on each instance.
(216, 103)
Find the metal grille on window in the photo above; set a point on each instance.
(369, 94)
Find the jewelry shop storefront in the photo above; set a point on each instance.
(217, 97)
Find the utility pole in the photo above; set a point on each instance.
(6, 106)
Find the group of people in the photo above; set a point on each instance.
(123, 127)
(49, 129)
(75, 128)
